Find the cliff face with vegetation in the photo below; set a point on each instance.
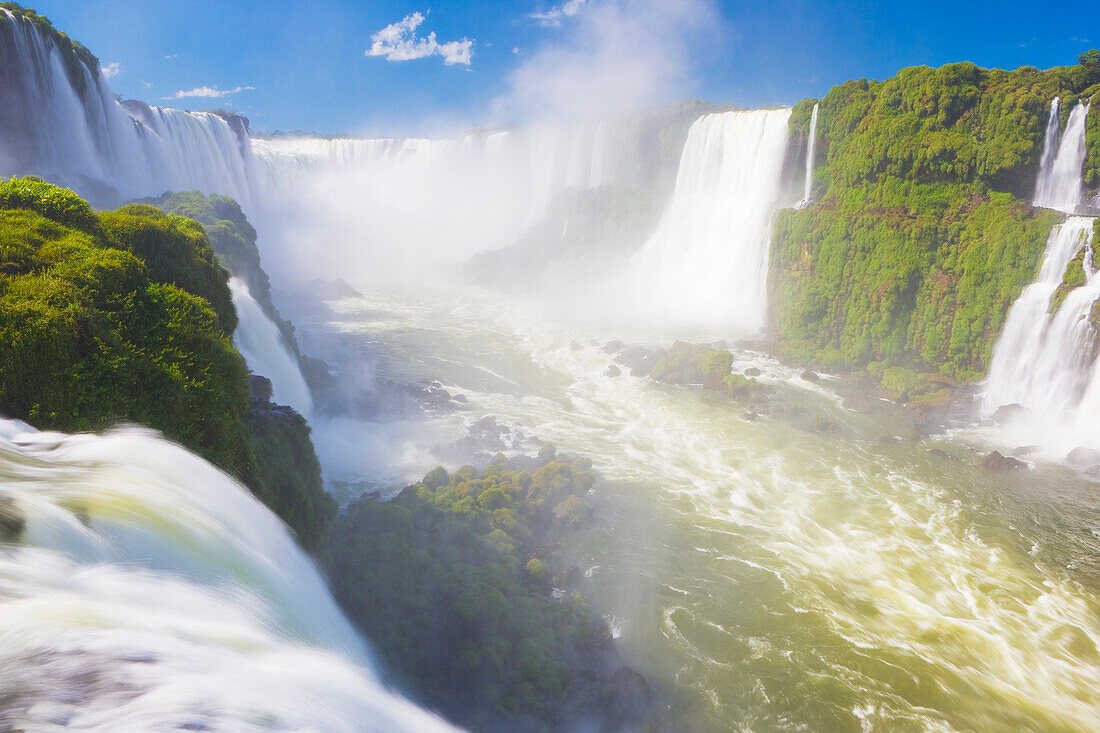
(127, 316)
(921, 234)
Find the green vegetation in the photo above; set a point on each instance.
(88, 335)
(288, 475)
(234, 243)
(109, 317)
(452, 581)
(921, 235)
(72, 53)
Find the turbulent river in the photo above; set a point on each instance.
(778, 578)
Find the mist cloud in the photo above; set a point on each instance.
(614, 55)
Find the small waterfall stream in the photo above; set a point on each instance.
(1060, 184)
(811, 144)
(262, 346)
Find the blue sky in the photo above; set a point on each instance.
(304, 65)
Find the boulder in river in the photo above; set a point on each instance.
(995, 461)
(1007, 413)
(752, 372)
(1083, 457)
(811, 376)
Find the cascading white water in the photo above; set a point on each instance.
(1044, 360)
(261, 344)
(707, 263)
(811, 142)
(88, 140)
(1061, 183)
(149, 592)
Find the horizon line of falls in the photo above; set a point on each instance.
(707, 263)
(143, 589)
(1045, 358)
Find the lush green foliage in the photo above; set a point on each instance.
(74, 55)
(451, 579)
(234, 243)
(920, 236)
(914, 274)
(175, 251)
(87, 335)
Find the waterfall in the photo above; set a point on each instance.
(707, 263)
(149, 591)
(1060, 182)
(807, 188)
(1043, 360)
(261, 344)
(88, 140)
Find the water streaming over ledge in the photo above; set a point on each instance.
(708, 261)
(811, 143)
(1045, 359)
(1060, 183)
(149, 591)
(264, 350)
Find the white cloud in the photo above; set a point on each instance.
(170, 56)
(615, 56)
(111, 70)
(399, 42)
(553, 16)
(210, 92)
(146, 84)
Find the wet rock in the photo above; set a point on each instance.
(1007, 413)
(821, 425)
(811, 376)
(1083, 456)
(995, 461)
(1093, 471)
(752, 372)
(640, 361)
(12, 522)
(613, 371)
(1025, 450)
(626, 695)
(259, 388)
(942, 454)
(614, 347)
(574, 346)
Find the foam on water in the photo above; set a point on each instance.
(149, 591)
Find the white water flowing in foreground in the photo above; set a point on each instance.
(1060, 182)
(811, 143)
(708, 261)
(261, 344)
(151, 592)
